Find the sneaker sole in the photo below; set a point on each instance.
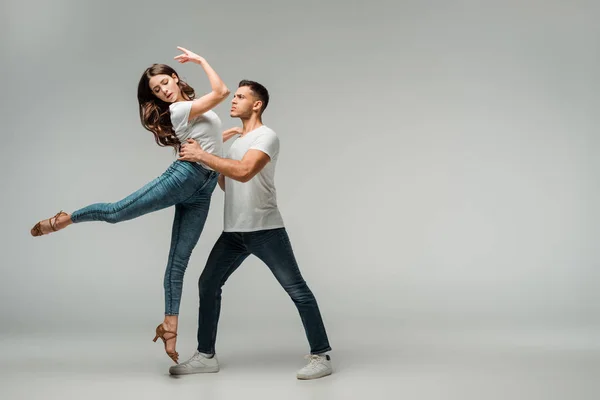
(197, 371)
(308, 378)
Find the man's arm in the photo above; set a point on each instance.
(243, 170)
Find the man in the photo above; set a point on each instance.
(253, 225)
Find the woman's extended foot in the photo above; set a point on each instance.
(53, 224)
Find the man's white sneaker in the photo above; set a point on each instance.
(198, 364)
(318, 366)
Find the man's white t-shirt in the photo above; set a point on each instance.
(252, 206)
(204, 129)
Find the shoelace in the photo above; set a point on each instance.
(196, 357)
(315, 360)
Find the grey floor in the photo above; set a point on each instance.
(409, 363)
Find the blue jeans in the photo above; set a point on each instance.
(187, 186)
(273, 247)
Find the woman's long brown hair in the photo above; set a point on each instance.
(154, 113)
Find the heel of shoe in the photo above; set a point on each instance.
(160, 333)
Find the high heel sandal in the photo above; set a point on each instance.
(160, 333)
(37, 229)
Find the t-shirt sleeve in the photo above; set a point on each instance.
(180, 113)
(268, 143)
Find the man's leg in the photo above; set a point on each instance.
(273, 247)
(226, 256)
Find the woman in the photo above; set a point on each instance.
(168, 110)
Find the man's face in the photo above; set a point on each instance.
(243, 103)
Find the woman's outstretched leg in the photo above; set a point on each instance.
(179, 182)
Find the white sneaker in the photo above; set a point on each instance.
(196, 365)
(318, 367)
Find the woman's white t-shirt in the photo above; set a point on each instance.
(204, 129)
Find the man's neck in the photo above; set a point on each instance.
(251, 124)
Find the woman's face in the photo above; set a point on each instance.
(165, 87)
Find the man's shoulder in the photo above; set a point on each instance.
(268, 134)
(265, 130)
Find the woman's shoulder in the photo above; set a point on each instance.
(180, 104)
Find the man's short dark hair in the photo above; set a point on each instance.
(259, 91)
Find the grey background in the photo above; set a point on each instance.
(438, 174)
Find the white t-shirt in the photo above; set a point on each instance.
(204, 129)
(252, 206)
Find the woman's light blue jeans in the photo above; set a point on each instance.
(185, 185)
